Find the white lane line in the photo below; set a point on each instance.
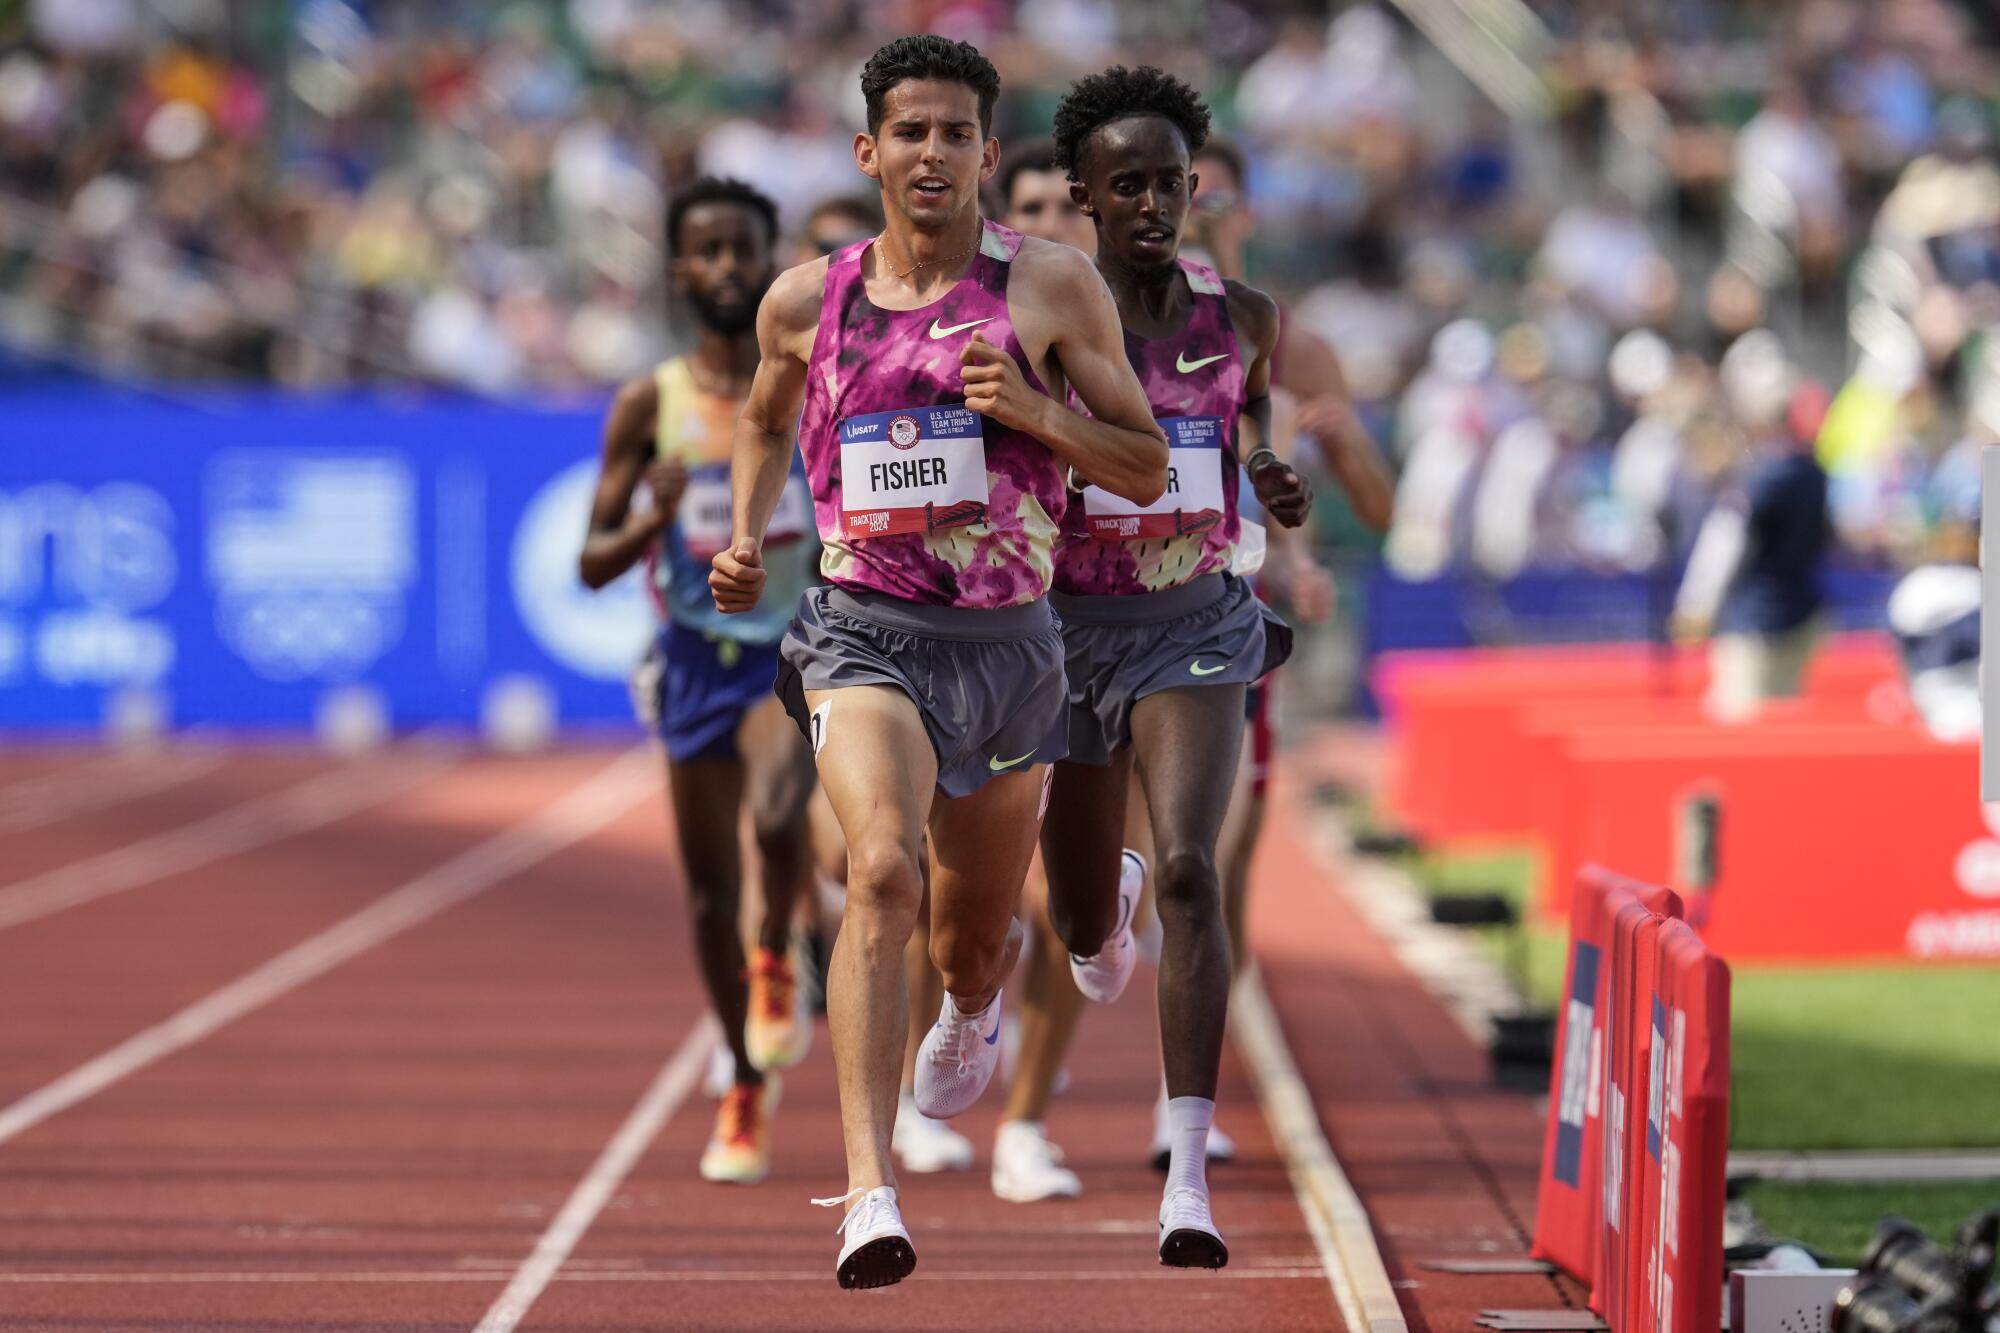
(62, 777)
(603, 798)
(669, 1089)
(254, 823)
(815, 1275)
(1340, 1228)
(85, 789)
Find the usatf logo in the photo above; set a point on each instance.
(903, 432)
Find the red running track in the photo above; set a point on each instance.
(375, 1131)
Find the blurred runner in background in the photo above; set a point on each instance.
(706, 686)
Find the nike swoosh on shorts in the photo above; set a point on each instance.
(1194, 668)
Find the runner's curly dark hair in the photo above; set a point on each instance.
(1118, 92)
(929, 57)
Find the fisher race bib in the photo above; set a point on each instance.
(917, 470)
(1193, 498)
(704, 518)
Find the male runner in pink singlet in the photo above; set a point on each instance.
(928, 672)
(1161, 639)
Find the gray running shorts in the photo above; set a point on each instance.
(988, 684)
(1211, 631)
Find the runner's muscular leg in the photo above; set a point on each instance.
(926, 987)
(706, 796)
(876, 765)
(1081, 839)
(981, 845)
(1236, 853)
(1177, 735)
(1050, 1008)
(778, 782)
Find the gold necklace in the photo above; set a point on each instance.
(883, 242)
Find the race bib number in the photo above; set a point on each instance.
(705, 520)
(1193, 498)
(918, 470)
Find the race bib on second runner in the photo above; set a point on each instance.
(916, 470)
(1193, 498)
(705, 520)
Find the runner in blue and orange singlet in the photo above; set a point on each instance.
(729, 745)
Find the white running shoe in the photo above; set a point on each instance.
(957, 1058)
(1027, 1168)
(1221, 1148)
(1103, 975)
(1188, 1238)
(720, 1075)
(877, 1251)
(925, 1146)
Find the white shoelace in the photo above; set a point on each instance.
(1199, 1207)
(872, 1204)
(961, 1037)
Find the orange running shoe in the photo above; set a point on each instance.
(778, 1030)
(739, 1153)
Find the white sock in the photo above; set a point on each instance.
(1188, 1119)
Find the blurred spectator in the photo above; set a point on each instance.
(1753, 578)
(1935, 608)
(1600, 252)
(837, 223)
(1035, 200)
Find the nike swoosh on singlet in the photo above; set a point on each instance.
(1194, 668)
(996, 763)
(938, 330)
(1187, 367)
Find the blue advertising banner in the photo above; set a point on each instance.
(244, 556)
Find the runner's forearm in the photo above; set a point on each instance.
(1357, 466)
(609, 553)
(758, 465)
(1128, 463)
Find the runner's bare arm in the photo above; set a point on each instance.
(1290, 572)
(1326, 412)
(619, 537)
(1063, 313)
(761, 456)
(1284, 492)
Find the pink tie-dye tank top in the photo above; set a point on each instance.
(1194, 382)
(914, 495)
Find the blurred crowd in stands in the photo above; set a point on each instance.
(1577, 276)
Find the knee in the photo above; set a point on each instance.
(1187, 884)
(969, 965)
(884, 883)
